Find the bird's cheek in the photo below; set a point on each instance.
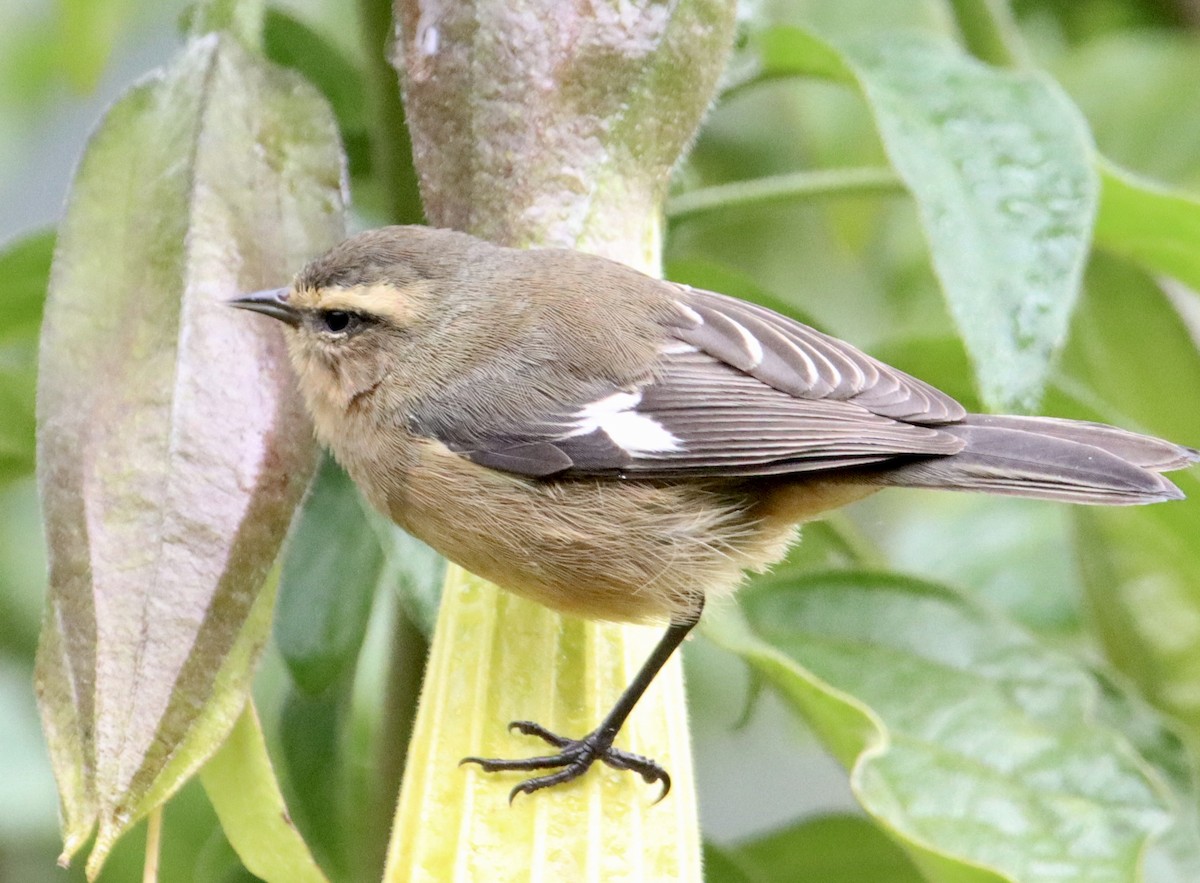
(365, 371)
(316, 379)
(300, 354)
(328, 404)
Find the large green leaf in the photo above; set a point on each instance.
(312, 754)
(1131, 358)
(1010, 553)
(173, 447)
(1000, 165)
(413, 570)
(1174, 857)
(979, 750)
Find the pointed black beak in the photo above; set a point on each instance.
(272, 302)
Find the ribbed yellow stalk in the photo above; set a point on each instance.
(497, 658)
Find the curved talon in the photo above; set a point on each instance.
(666, 786)
(648, 769)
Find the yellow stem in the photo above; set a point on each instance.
(454, 823)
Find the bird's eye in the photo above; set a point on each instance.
(336, 321)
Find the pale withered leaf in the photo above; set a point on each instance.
(172, 445)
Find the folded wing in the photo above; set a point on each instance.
(738, 391)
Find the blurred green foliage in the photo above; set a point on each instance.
(1083, 625)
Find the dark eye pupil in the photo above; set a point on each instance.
(337, 320)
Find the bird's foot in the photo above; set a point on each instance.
(573, 760)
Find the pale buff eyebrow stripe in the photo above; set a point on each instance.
(383, 301)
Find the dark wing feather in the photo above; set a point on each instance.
(731, 423)
(738, 391)
(701, 416)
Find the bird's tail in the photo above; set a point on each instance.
(1052, 459)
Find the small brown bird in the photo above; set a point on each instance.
(619, 447)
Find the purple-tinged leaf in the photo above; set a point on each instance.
(173, 447)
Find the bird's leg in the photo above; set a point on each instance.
(577, 755)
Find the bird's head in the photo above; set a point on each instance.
(355, 314)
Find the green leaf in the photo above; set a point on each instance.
(1151, 224)
(312, 736)
(1139, 572)
(1000, 165)
(990, 31)
(22, 569)
(846, 848)
(24, 275)
(1009, 552)
(1130, 358)
(977, 748)
(1174, 857)
(720, 866)
(30, 73)
(173, 446)
(330, 573)
(780, 52)
(414, 570)
(240, 782)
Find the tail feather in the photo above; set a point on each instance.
(1053, 459)
(1146, 451)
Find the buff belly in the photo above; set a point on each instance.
(633, 551)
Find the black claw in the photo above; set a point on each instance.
(666, 787)
(575, 759)
(576, 756)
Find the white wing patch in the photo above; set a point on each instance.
(616, 417)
